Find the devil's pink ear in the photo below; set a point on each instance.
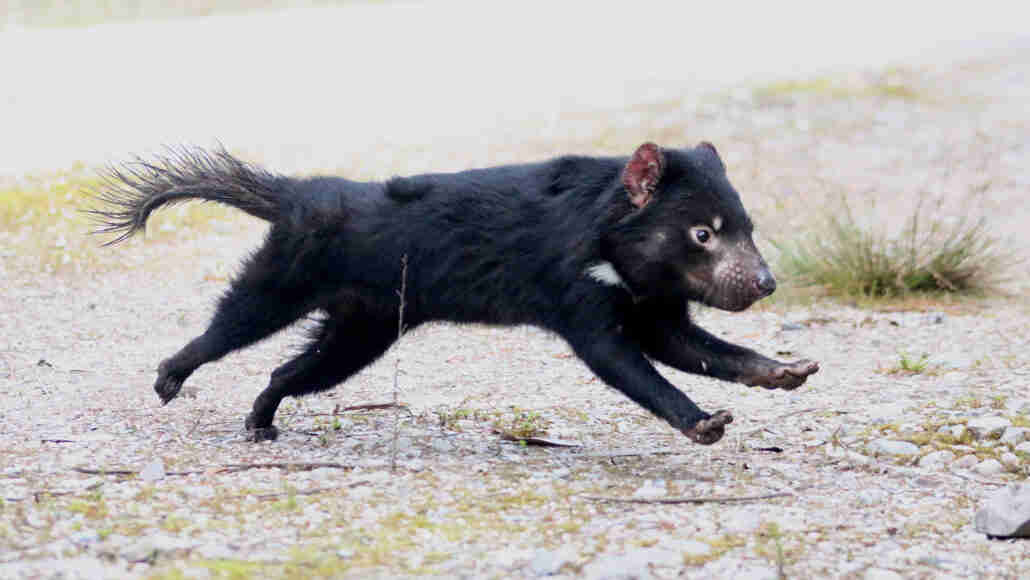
(642, 173)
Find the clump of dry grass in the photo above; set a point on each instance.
(934, 254)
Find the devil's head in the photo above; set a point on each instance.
(687, 234)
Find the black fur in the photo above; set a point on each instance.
(605, 252)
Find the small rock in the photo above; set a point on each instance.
(442, 445)
(345, 553)
(1006, 513)
(936, 459)
(882, 574)
(756, 573)
(1021, 406)
(214, 551)
(966, 461)
(956, 431)
(84, 537)
(147, 549)
(857, 458)
(549, 562)
(989, 467)
(1014, 435)
(404, 444)
(1023, 447)
(741, 522)
(987, 427)
(791, 326)
(153, 471)
(927, 482)
(892, 447)
(632, 565)
(651, 488)
(870, 497)
(909, 428)
(886, 413)
(1010, 459)
(695, 548)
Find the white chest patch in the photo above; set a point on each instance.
(604, 273)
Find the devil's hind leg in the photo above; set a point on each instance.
(342, 345)
(259, 302)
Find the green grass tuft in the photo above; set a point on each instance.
(934, 254)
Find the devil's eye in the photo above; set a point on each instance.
(702, 235)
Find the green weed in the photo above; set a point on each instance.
(933, 255)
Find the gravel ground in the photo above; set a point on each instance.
(866, 472)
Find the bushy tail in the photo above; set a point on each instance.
(132, 191)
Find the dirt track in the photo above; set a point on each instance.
(78, 353)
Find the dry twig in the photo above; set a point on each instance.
(699, 499)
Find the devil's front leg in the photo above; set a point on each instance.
(620, 363)
(682, 344)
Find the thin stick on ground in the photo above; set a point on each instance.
(697, 500)
(228, 468)
(397, 363)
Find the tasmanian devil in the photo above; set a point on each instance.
(606, 252)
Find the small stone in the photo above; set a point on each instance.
(404, 444)
(792, 326)
(549, 562)
(147, 549)
(633, 564)
(937, 459)
(909, 428)
(84, 537)
(1021, 406)
(1006, 513)
(695, 548)
(651, 489)
(989, 467)
(886, 413)
(214, 551)
(882, 574)
(1023, 447)
(1014, 435)
(927, 482)
(987, 427)
(442, 445)
(153, 471)
(345, 553)
(871, 497)
(1010, 459)
(956, 431)
(892, 447)
(756, 573)
(741, 522)
(966, 461)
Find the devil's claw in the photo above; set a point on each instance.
(710, 430)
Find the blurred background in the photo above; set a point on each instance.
(303, 85)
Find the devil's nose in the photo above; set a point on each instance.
(766, 283)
